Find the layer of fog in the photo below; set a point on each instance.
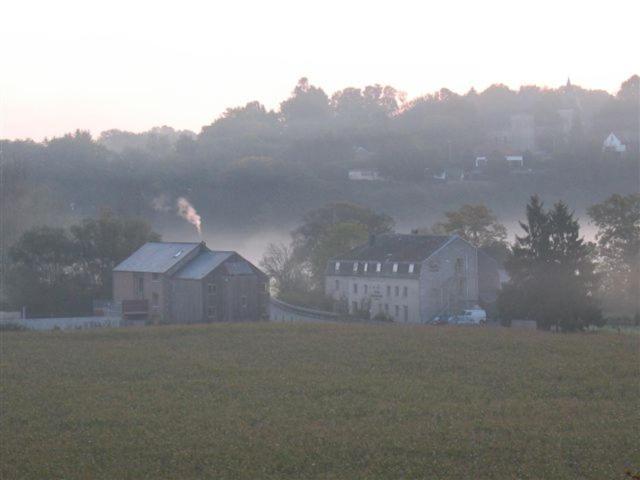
(252, 244)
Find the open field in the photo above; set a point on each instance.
(318, 401)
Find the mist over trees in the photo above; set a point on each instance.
(298, 268)
(555, 276)
(618, 250)
(255, 168)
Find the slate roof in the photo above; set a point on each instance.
(398, 248)
(203, 264)
(156, 257)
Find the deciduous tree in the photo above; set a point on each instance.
(618, 237)
(478, 225)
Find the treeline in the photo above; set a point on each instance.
(256, 167)
(53, 271)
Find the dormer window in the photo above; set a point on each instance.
(337, 266)
(395, 268)
(411, 268)
(355, 266)
(365, 267)
(378, 267)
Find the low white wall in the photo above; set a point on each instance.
(283, 312)
(69, 323)
(524, 324)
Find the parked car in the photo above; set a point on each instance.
(439, 320)
(471, 316)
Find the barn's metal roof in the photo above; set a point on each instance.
(203, 264)
(156, 257)
(239, 268)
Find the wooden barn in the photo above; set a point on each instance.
(189, 283)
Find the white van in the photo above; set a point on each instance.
(471, 316)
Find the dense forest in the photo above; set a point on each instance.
(254, 169)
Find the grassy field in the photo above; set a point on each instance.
(318, 401)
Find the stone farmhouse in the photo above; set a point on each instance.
(410, 277)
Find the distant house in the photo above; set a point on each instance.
(514, 161)
(409, 278)
(613, 144)
(439, 177)
(369, 175)
(451, 174)
(481, 162)
(189, 283)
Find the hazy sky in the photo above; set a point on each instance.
(134, 64)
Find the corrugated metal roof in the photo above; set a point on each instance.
(238, 268)
(156, 257)
(203, 264)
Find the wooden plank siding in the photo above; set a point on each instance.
(233, 290)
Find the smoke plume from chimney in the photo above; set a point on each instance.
(186, 211)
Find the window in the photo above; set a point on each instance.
(355, 288)
(366, 265)
(212, 288)
(155, 299)
(155, 277)
(354, 306)
(459, 265)
(433, 266)
(337, 287)
(397, 310)
(211, 312)
(366, 289)
(211, 299)
(386, 308)
(406, 313)
(395, 268)
(462, 285)
(378, 267)
(140, 285)
(397, 290)
(243, 301)
(337, 266)
(355, 266)
(388, 290)
(405, 291)
(411, 268)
